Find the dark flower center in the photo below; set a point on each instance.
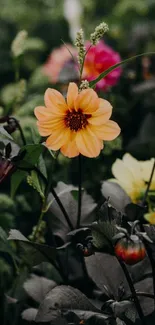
(76, 120)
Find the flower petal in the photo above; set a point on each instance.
(58, 138)
(55, 101)
(87, 143)
(41, 113)
(134, 166)
(146, 167)
(122, 173)
(70, 149)
(103, 113)
(108, 131)
(150, 217)
(72, 94)
(46, 128)
(87, 100)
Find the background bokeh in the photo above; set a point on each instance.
(131, 31)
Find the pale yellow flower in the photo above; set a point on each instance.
(133, 175)
(150, 217)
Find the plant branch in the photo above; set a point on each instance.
(81, 68)
(62, 208)
(133, 291)
(80, 191)
(152, 262)
(142, 294)
(149, 184)
(20, 129)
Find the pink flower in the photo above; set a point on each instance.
(56, 61)
(99, 58)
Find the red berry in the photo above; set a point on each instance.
(130, 250)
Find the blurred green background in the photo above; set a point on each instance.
(131, 31)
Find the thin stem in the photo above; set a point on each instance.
(17, 66)
(149, 184)
(142, 294)
(80, 191)
(62, 208)
(38, 224)
(20, 129)
(152, 262)
(81, 68)
(148, 249)
(134, 295)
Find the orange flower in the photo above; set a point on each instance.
(78, 124)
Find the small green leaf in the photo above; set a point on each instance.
(4, 245)
(102, 233)
(16, 179)
(106, 72)
(33, 152)
(33, 181)
(5, 133)
(32, 253)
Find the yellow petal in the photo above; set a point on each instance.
(108, 131)
(134, 166)
(46, 128)
(103, 113)
(41, 113)
(70, 149)
(122, 173)
(72, 94)
(146, 167)
(55, 101)
(150, 217)
(87, 144)
(88, 101)
(57, 139)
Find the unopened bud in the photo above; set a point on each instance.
(18, 44)
(100, 30)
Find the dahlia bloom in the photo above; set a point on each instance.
(133, 175)
(56, 61)
(78, 124)
(98, 59)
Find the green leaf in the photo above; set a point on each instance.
(33, 180)
(33, 152)
(16, 179)
(32, 253)
(4, 133)
(102, 233)
(106, 72)
(4, 245)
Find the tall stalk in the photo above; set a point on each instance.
(148, 249)
(80, 191)
(133, 292)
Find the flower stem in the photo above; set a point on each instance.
(80, 191)
(20, 129)
(134, 295)
(50, 188)
(149, 184)
(38, 224)
(62, 208)
(152, 262)
(148, 249)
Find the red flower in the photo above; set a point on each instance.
(99, 58)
